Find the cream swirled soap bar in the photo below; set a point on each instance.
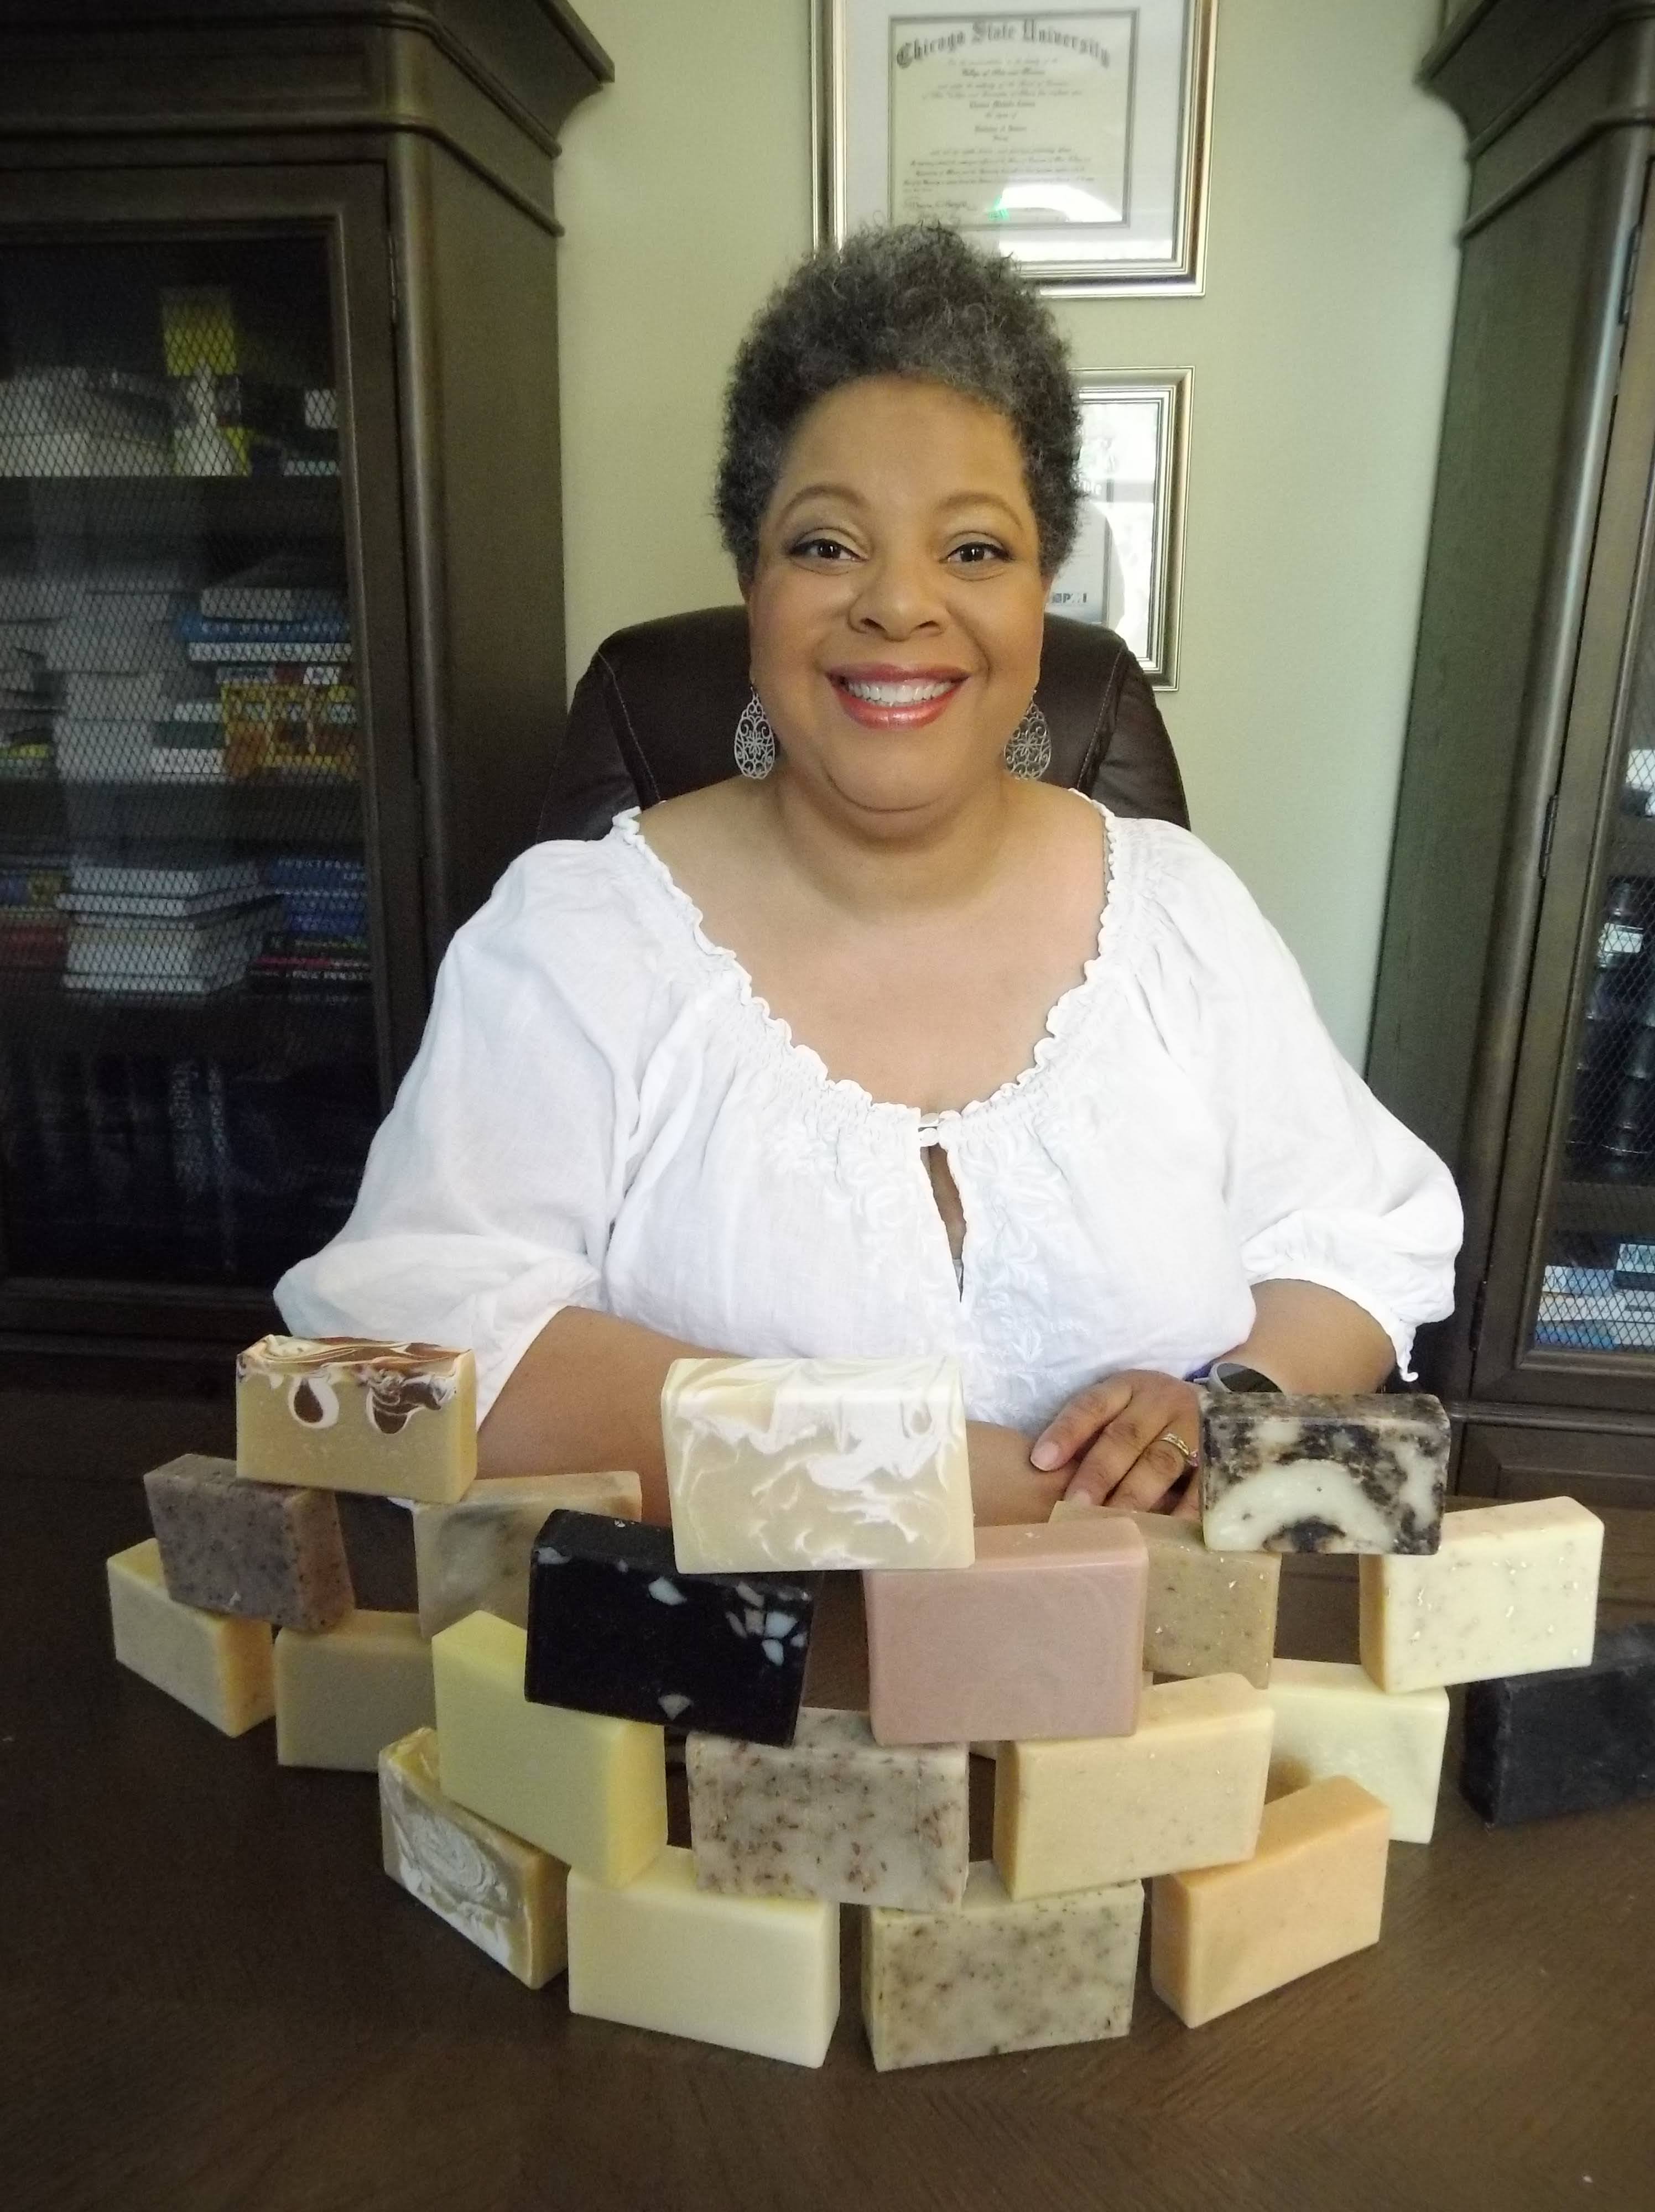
(817, 1463)
(397, 1420)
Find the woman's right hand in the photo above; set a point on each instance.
(1005, 1484)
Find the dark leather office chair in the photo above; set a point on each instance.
(655, 713)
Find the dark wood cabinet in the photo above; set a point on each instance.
(1515, 1014)
(281, 635)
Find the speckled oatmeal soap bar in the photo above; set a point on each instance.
(999, 1976)
(837, 1817)
(1283, 1474)
(615, 1628)
(399, 1420)
(1205, 1613)
(262, 1549)
(802, 1463)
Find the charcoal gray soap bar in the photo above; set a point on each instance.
(615, 1628)
(255, 1548)
(1282, 1473)
(378, 1542)
(1578, 1740)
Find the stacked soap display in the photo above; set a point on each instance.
(512, 1656)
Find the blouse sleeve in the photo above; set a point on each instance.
(489, 1188)
(1324, 1185)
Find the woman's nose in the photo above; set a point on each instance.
(897, 594)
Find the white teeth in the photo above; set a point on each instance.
(894, 695)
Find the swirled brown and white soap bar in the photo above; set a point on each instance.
(1323, 1474)
(353, 1414)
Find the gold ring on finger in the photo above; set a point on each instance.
(1171, 1437)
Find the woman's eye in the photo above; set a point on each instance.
(823, 548)
(977, 552)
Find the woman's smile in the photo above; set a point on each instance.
(881, 697)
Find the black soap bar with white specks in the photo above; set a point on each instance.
(615, 1628)
(1578, 1740)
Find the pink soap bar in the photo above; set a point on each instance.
(1043, 1636)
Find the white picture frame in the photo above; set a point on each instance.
(1074, 138)
(1125, 573)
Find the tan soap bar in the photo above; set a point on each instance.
(1186, 1789)
(752, 1974)
(1511, 1590)
(264, 1549)
(354, 1413)
(474, 1556)
(343, 1693)
(217, 1664)
(1314, 1891)
(832, 1815)
(1205, 1613)
(498, 1891)
(589, 1789)
(1331, 1718)
(994, 1975)
(817, 1463)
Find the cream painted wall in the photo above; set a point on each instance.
(1319, 351)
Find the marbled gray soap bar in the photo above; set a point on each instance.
(1323, 1474)
(836, 1816)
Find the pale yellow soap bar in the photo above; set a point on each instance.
(590, 1790)
(474, 1556)
(817, 1463)
(1207, 1612)
(216, 1663)
(342, 1693)
(1332, 1718)
(1186, 1789)
(1512, 1590)
(1314, 1891)
(753, 1973)
(498, 1891)
(994, 1975)
(396, 1421)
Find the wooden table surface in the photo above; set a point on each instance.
(213, 2000)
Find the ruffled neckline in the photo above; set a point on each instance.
(1064, 1018)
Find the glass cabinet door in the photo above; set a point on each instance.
(1598, 1291)
(189, 1068)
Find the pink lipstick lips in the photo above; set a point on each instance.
(882, 696)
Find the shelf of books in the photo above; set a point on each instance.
(188, 1069)
(1598, 1292)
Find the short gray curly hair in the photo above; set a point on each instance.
(907, 300)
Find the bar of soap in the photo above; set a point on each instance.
(1575, 1741)
(1334, 1719)
(752, 1974)
(1321, 1474)
(379, 1543)
(996, 1975)
(1513, 1590)
(494, 1889)
(343, 1693)
(1187, 1790)
(353, 1414)
(1042, 1636)
(218, 1664)
(258, 1548)
(836, 1816)
(1205, 1613)
(799, 1463)
(473, 1557)
(615, 1628)
(1314, 1891)
(589, 1789)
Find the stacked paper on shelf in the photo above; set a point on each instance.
(287, 586)
(189, 743)
(174, 931)
(80, 422)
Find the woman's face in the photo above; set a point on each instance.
(897, 607)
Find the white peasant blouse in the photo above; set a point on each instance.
(602, 1113)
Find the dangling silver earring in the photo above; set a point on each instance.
(1029, 753)
(755, 741)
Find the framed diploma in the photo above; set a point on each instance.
(1124, 570)
(1073, 138)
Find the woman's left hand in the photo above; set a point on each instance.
(1115, 1433)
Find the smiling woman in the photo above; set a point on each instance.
(881, 1047)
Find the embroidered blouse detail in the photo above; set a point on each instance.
(602, 1112)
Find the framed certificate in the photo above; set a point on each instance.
(1073, 138)
(1124, 570)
